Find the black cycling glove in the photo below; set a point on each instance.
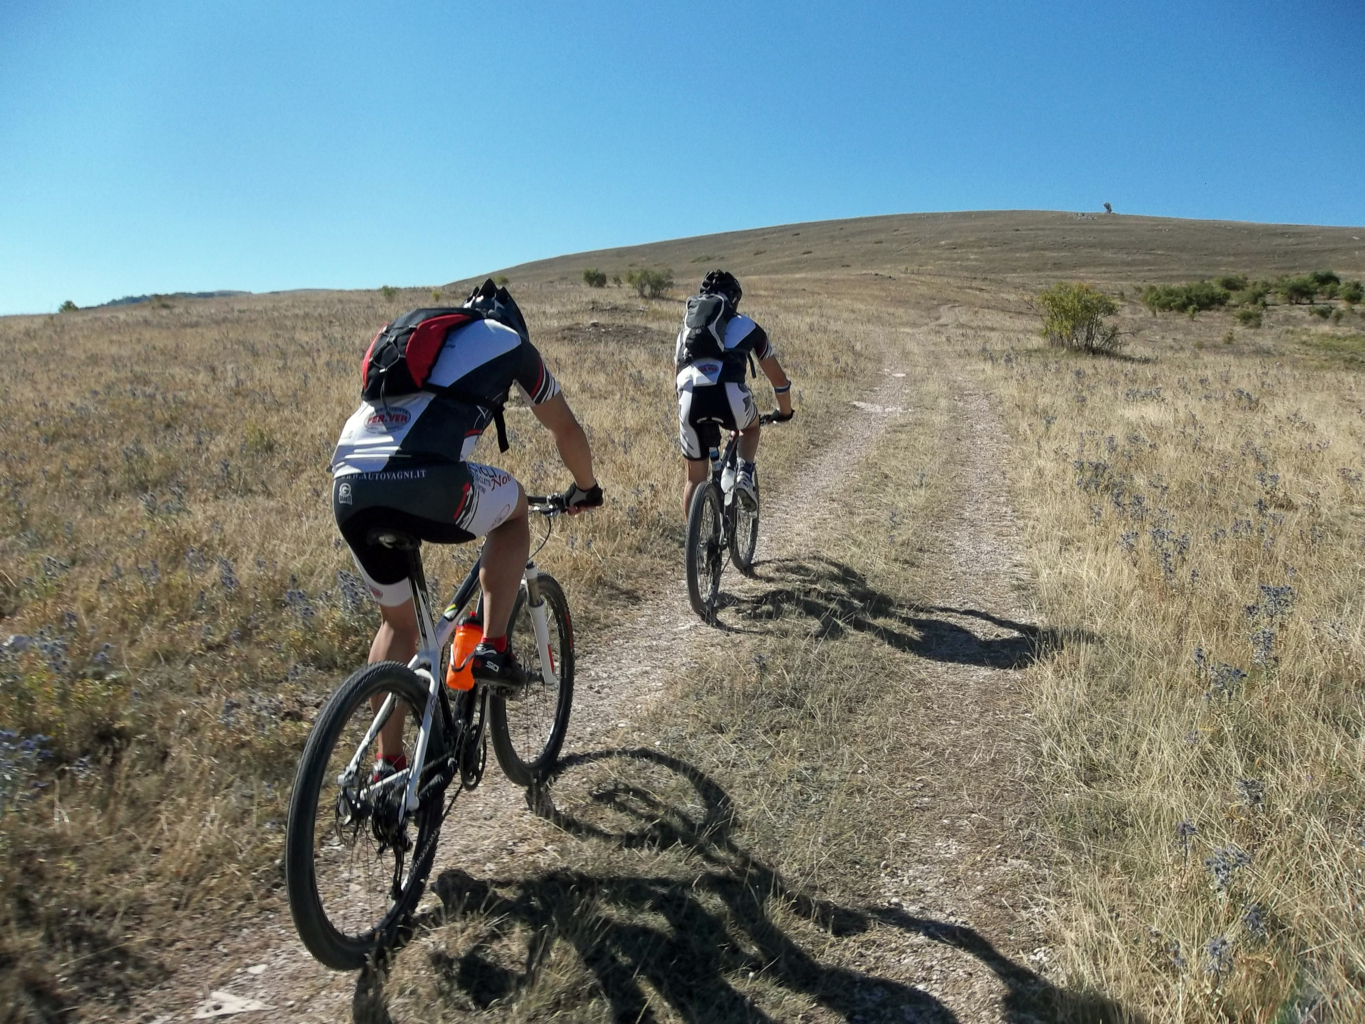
(576, 497)
(780, 417)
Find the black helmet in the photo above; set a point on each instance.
(497, 304)
(722, 282)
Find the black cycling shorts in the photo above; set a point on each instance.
(436, 502)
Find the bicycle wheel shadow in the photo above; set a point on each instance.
(688, 937)
(840, 599)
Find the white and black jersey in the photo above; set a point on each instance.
(483, 359)
(743, 337)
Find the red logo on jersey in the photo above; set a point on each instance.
(387, 419)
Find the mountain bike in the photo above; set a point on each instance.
(718, 522)
(359, 845)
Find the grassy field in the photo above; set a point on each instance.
(175, 604)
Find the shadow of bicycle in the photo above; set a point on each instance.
(839, 599)
(687, 944)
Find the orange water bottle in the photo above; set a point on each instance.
(467, 636)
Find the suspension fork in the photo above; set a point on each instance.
(540, 625)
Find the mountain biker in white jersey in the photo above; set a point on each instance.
(712, 393)
(400, 464)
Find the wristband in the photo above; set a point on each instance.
(783, 389)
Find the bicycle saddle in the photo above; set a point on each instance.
(387, 537)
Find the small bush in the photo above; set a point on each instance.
(1249, 316)
(616, 280)
(1231, 282)
(1324, 279)
(68, 307)
(594, 278)
(389, 292)
(1184, 298)
(1074, 317)
(501, 280)
(650, 284)
(1322, 311)
(1253, 294)
(1351, 292)
(1296, 290)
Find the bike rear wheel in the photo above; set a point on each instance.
(704, 552)
(353, 874)
(744, 537)
(528, 727)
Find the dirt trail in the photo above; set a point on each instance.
(966, 863)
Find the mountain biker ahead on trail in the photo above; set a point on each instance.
(715, 346)
(400, 464)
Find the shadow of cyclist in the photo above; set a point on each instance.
(838, 599)
(683, 939)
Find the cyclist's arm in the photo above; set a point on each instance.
(777, 377)
(556, 416)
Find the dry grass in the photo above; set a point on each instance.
(1204, 766)
(169, 551)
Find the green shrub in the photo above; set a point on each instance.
(1296, 290)
(594, 278)
(1322, 311)
(1074, 315)
(650, 284)
(1253, 294)
(1322, 279)
(1351, 292)
(616, 280)
(501, 280)
(1184, 298)
(68, 307)
(1249, 316)
(1231, 282)
(389, 292)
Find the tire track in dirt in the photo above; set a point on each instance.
(620, 672)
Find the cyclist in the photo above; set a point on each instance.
(712, 392)
(401, 463)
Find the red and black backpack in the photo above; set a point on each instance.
(399, 360)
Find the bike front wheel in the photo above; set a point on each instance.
(354, 865)
(705, 553)
(744, 537)
(528, 726)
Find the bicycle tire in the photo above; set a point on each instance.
(744, 536)
(528, 728)
(325, 915)
(705, 559)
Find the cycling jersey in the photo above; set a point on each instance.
(401, 462)
(742, 337)
(483, 359)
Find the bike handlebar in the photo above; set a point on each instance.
(546, 505)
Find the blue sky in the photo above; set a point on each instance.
(175, 145)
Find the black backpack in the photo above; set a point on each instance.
(703, 331)
(399, 360)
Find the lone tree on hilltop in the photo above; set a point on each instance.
(1074, 315)
(1108, 208)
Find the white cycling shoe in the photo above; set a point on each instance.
(745, 489)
